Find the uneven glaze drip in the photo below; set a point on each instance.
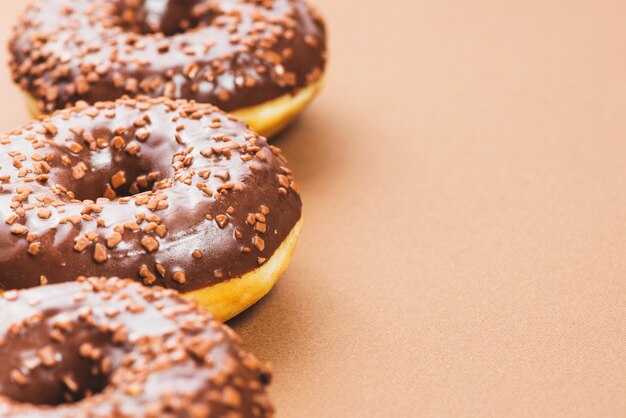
(169, 193)
(113, 348)
(232, 53)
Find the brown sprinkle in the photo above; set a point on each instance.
(221, 220)
(47, 356)
(258, 243)
(179, 277)
(19, 229)
(34, 248)
(149, 243)
(114, 240)
(100, 255)
(118, 179)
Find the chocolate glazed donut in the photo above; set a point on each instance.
(261, 59)
(170, 193)
(113, 348)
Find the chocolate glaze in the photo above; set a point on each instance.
(114, 348)
(233, 53)
(167, 192)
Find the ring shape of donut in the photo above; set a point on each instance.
(263, 60)
(170, 193)
(103, 348)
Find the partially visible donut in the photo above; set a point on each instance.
(171, 193)
(262, 59)
(114, 348)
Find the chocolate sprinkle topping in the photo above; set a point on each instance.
(113, 348)
(233, 53)
(170, 210)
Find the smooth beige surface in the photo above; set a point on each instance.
(464, 181)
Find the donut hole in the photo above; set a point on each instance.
(114, 183)
(66, 371)
(115, 174)
(169, 17)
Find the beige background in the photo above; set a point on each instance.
(464, 176)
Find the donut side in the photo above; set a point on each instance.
(227, 300)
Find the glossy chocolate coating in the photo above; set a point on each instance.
(232, 53)
(114, 348)
(193, 198)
